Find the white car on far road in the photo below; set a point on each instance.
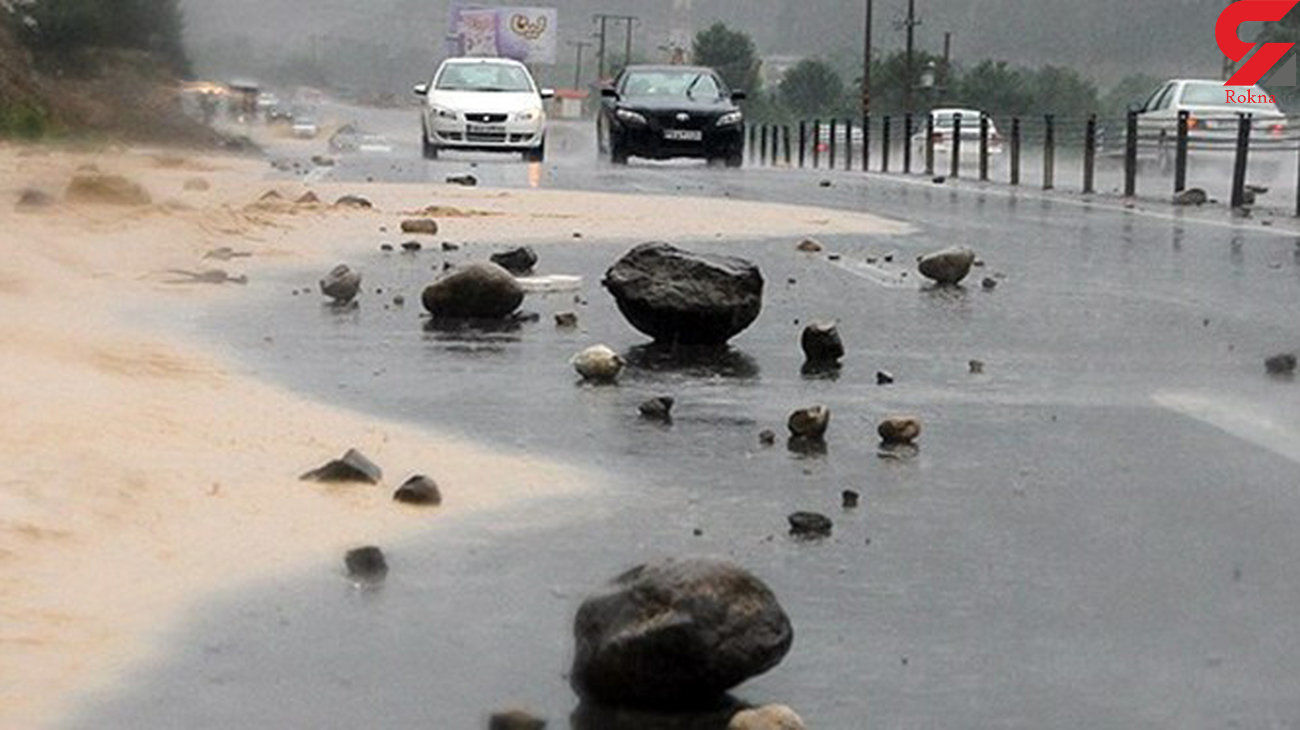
(483, 104)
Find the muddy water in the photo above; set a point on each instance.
(1062, 551)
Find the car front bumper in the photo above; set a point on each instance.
(507, 136)
(650, 142)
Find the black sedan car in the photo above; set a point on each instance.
(660, 112)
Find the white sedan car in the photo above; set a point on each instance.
(945, 125)
(484, 104)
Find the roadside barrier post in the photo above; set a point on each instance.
(1180, 152)
(929, 144)
(817, 143)
(848, 145)
(866, 143)
(1090, 154)
(750, 147)
(803, 142)
(1131, 155)
(907, 143)
(787, 145)
(1239, 166)
(884, 144)
(1049, 152)
(830, 150)
(984, 148)
(956, 146)
(1015, 150)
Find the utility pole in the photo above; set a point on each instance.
(603, 19)
(910, 25)
(947, 55)
(577, 71)
(866, 67)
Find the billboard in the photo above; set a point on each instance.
(523, 33)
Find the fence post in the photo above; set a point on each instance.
(1090, 154)
(956, 146)
(929, 144)
(848, 144)
(907, 143)
(803, 141)
(817, 143)
(884, 144)
(787, 146)
(984, 148)
(1015, 150)
(1131, 154)
(1180, 152)
(1239, 166)
(749, 144)
(1049, 152)
(830, 148)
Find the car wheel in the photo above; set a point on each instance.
(735, 159)
(617, 154)
(429, 149)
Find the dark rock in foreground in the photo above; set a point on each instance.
(949, 266)
(419, 490)
(1281, 364)
(677, 634)
(679, 297)
(466, 179)
(515, 720)
(366, 563)
(810, 525)
(899, 429)
(850, 499)
(658, 409)
(353, 467)
(342, 284)
(821, 343)
(353, 201)
(425, 226)
(518, 261)
(810, 423)
(477, 291)
(1191, 196)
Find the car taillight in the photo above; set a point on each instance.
(937, 136)
(1193, 122)
(822, 147)
(1278, 129)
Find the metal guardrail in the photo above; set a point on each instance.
(848, 145)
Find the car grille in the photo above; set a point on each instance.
(478, 118)
(493, 137)
(669, 120)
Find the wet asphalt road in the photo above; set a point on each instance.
(1099, 532)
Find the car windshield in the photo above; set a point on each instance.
(1212, 94)
(687, 84)
(483, 77)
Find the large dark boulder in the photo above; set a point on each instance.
(518, 261)
(477, 291)
(680, 297)
(677, 634)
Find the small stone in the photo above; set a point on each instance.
(515, 720)
(598, 364)
(518, 261)
(1281, 364)
(851, 499)
(834, 257)
(821, 342)
(810, 423)
(768, 717)
(353, 201)
(658, 409)
(322, 161)
(366, 563)
(1191, 196)
(385, 247)
(767, 437)
(809, 245)
(423, 226)
(342, 284)
(419, 490)
(810, 525)
(566, 320)
(947, 267)
(353, 467)
(939, 179)
(412, 247)
(449, 246)
(884, 378)
(399, 301)
(466, 179)
(989, 283)
(976, 367)
(899, 429)
(824, 184)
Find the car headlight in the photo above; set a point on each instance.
(529, 115)
(730, 118)
(629, 116)
(445, 113)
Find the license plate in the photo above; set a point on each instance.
(684, 135)
(486, 129)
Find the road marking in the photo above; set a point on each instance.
(1247, 421)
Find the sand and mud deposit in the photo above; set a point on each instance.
(144, 470)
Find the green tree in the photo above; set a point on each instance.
(811, 87)
(61, 28)
(1131, 90)
(1062, 92)
(996, 88)
(730, 53)
(891, 82)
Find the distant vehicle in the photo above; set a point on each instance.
(305, 126)
(661, 112)
(374, 144)
(1212, 121)
(279, 115)
(945, 127)
(266, 100)
(483, 104)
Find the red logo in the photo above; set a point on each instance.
(1230, 42)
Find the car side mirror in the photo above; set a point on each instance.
(738, 96)
(608, 92)
(421, 89)
(548, 93)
